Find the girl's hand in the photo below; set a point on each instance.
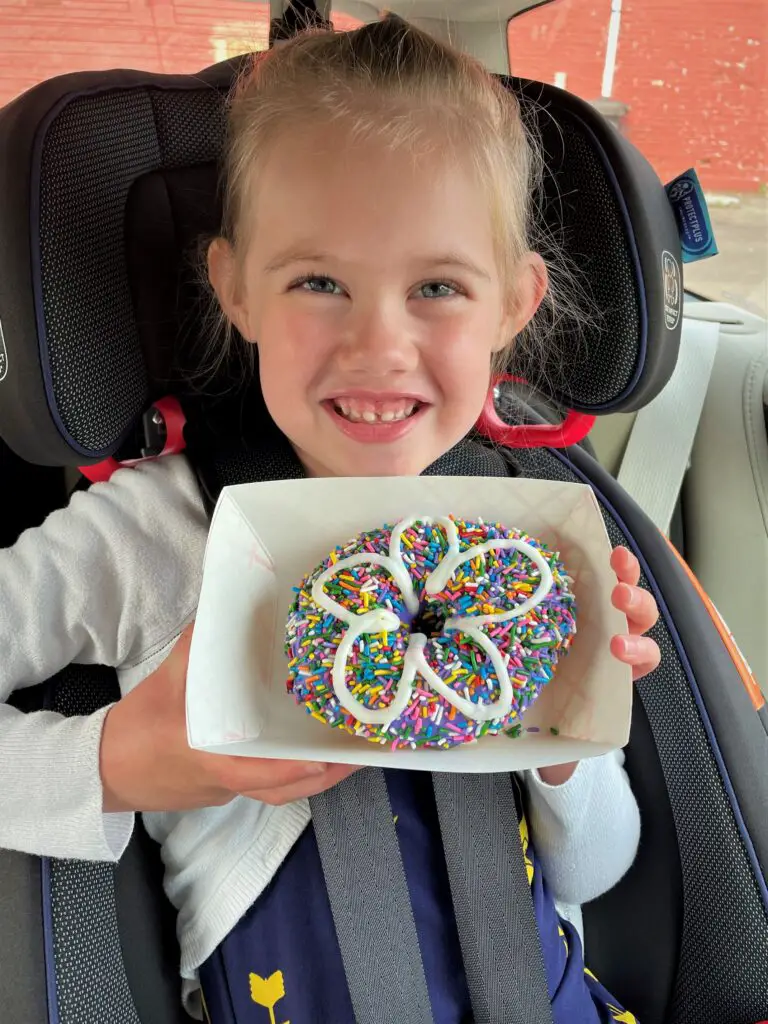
(642, 612)
(147, 765)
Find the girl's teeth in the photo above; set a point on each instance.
(371, 416)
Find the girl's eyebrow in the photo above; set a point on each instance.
(301, 254)
(453, 259)
(295, 254)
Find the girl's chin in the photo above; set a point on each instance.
(365, 463)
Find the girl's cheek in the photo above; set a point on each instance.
(308, 335)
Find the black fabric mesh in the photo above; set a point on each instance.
(190, 125)
(91, 334)
(723, 970)
(91, 984)
(593, 365)
(94, 150)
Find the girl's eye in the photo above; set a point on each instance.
(318, 285)
(438, 290)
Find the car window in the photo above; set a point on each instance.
(689, 90)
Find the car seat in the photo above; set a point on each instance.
(108, 181)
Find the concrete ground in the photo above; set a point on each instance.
(739, 273)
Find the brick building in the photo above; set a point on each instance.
(692, 73)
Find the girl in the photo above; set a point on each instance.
(376, 252)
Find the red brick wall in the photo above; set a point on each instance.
(693, 73)
(43, 38)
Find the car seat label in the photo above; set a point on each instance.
(673, 292)
(3, 354)
(696, 235)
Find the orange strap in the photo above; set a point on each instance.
(745, 673)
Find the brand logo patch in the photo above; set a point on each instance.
(686, 196)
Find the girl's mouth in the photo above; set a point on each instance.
(375, 421)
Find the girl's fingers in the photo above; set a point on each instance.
(638, 605)
(626, 566)
(640, 652)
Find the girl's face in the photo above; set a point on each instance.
(371, 288)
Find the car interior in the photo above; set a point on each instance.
(108, 181)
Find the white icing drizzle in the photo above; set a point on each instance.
(372, 623)
(381, 620)
(399, 573)
(450, 564)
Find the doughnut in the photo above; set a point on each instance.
(428, 633)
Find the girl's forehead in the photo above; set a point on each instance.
(337, 152)
(325, 185)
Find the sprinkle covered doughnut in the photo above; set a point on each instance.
(429, 633)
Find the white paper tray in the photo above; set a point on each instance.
(265, 537)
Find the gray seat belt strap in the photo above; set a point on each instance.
(371, 907)
(659, 447)
(492, 899)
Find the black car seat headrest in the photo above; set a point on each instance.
(108, 181)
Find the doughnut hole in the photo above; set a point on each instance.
(429, 620)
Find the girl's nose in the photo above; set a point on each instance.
(378, 342)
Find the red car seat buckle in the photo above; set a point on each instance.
(574, 427)
(162, 433)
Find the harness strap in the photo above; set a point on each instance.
(499, 939)
(371, 908)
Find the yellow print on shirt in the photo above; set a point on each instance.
(524, 843)
(622, 1016)
(268, 992)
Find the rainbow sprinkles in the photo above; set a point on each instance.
(429, 633)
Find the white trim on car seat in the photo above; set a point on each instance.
(659, 448)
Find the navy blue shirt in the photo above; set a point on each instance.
(282, 965)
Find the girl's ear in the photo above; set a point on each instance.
(222, 273)
(530, 286)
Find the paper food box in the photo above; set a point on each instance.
(266, 537)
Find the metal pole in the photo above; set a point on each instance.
(614, 25)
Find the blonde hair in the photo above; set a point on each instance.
(393, 82)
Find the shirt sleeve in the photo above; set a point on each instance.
(585, 832)
(107, 581)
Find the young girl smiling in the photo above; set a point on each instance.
(376, 250)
